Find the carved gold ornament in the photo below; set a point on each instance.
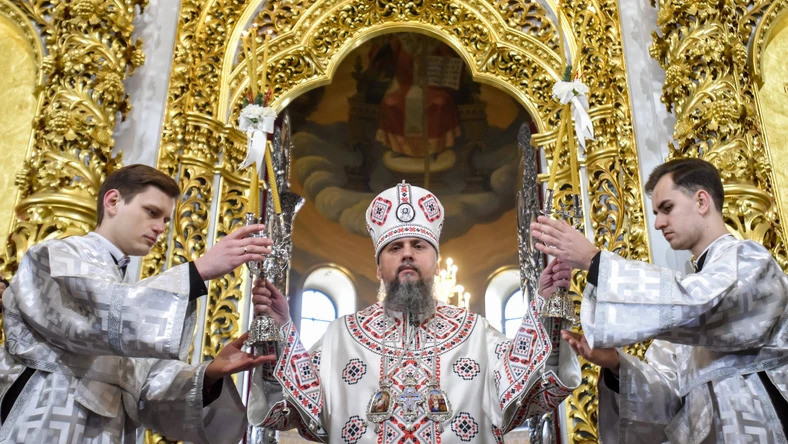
(90, 51)
(511, 45)
(709, 85)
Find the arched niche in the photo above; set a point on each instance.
(20, 56)
(770, 46)
(305, 50)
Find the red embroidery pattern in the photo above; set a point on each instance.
(466, 368)
(540, 399)
(452, 326)
(527, 353)
(379, 211)
(299, 377)
(429, 205)
(354, 429)
(404, 231)
(354, 371)
(404, 193)
(465, 427)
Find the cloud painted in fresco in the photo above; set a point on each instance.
(320, 167)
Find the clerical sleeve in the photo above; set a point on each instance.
(733, 304)
(298, 374)
(79, 307)
(171, 402)
(647, 399)
(525, 383)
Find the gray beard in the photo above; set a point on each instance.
(413, 299)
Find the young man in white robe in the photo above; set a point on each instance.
(91, 358)
(411, 369)
(717, 371)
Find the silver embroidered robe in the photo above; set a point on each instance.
(105, 353)
(492, 383)
(715, 330)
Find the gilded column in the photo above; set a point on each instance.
(192, 102)
(616, 205)
(89, 53)
(703, 48)
(226, 295)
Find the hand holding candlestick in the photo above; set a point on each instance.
(263, 328)
(559, 303)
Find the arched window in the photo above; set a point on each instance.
(317, 311)
(513, 312)
(328, 293)
(500, 288)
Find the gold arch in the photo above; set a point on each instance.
(14, 15)
(302, 45)
(24, 29)
(510, 44)
(775, 19)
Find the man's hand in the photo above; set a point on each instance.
(268, 299)
(232, 359)
(562, 241)
(603, 357)
(556, 275)
(233, 250)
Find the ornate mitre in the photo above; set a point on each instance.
(404, 211)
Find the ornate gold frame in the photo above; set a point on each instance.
(511, 45)
(711, 66)
(777, 12)
(89, 53)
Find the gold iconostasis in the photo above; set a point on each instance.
(345, 73)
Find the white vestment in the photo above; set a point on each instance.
(715, 331)
(492, 383)
(104, 353)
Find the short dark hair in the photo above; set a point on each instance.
(132, 180)
(692, 175)
(2, 280)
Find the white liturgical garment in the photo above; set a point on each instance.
(720, 362)
(491, 383)
(102, 355)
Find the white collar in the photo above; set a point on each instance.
(113, 249)
(700, 256)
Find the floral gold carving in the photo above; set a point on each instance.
(703, 48)
(510, 44)
(90, 51)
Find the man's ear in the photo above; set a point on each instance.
(111, 200)
(705, 204)
(379, 274)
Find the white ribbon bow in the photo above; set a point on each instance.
(258, 122)
(576, 92)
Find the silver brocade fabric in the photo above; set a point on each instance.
(715, 330)
(69, 315)
(492, 383)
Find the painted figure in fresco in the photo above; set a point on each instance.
(90, 357)
(717, 370)
(452, 377)
(416, 95)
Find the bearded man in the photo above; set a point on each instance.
(370, 377)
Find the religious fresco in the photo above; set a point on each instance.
(403, 106)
